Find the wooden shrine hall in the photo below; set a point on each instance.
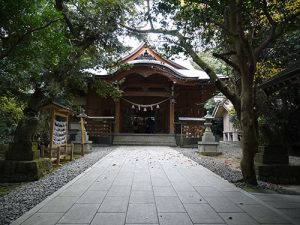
(158, 96)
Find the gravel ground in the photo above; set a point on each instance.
(210, 163)
(25, 197)
(227, 172)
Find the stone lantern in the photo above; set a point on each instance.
(208, 145)
(82, 143)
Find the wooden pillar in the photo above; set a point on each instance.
(72, 152)
(58, 156)
(181, 134)
(52, 116)
(117, 115)
(171, 116)
(82, 136)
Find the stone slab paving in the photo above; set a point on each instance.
(157, 186)
(287, 204)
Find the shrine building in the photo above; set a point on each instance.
(159, 98)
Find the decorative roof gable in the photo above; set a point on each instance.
(144, 52)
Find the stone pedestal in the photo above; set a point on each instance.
(87, 146)
(272, 165)
(20, 171)
(23, 164)
(272, 160)
(23, 151)
(208, 146)
(272, 154)
(278, 173)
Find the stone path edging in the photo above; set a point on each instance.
(49, 198)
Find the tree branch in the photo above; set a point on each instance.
(267, 14)
(228, 53)
(154, 31)
(213, 76)
(149, 15)
(60, 72)
(242, 44)
(224, 28)
(22, 38)
(251, 56)
(276, 30)
(59, 5)
(227, 61)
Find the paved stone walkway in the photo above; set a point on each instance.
(150, 185)
(287, 204)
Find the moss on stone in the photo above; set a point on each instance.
(3, 150)
(5, 188)
(43, 167)
(256, 189)
(20, 171)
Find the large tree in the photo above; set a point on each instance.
(239, 32)
(45, 47)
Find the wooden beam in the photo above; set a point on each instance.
(147, 85)
(147, 94)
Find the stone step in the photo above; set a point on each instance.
(145, 144)
(145, 139)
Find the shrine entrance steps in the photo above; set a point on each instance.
(144, 139)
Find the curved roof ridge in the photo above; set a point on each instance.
(134, 51)
(179, 72)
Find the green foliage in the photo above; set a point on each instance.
(282, 113)
(10, 114)
(286, 51)
(32, 43)
(45, 49)
(217, 65)
(280, 55)
(210, 105)
(48, 44)
(106, 89)
(10, 110)
(266, 69)
(234, 118)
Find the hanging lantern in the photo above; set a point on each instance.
(157, 106)
(132, 107)
(139, 107)
(151, 107)
(145, 109)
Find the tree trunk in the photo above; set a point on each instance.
(249, 138)
(22, 149)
